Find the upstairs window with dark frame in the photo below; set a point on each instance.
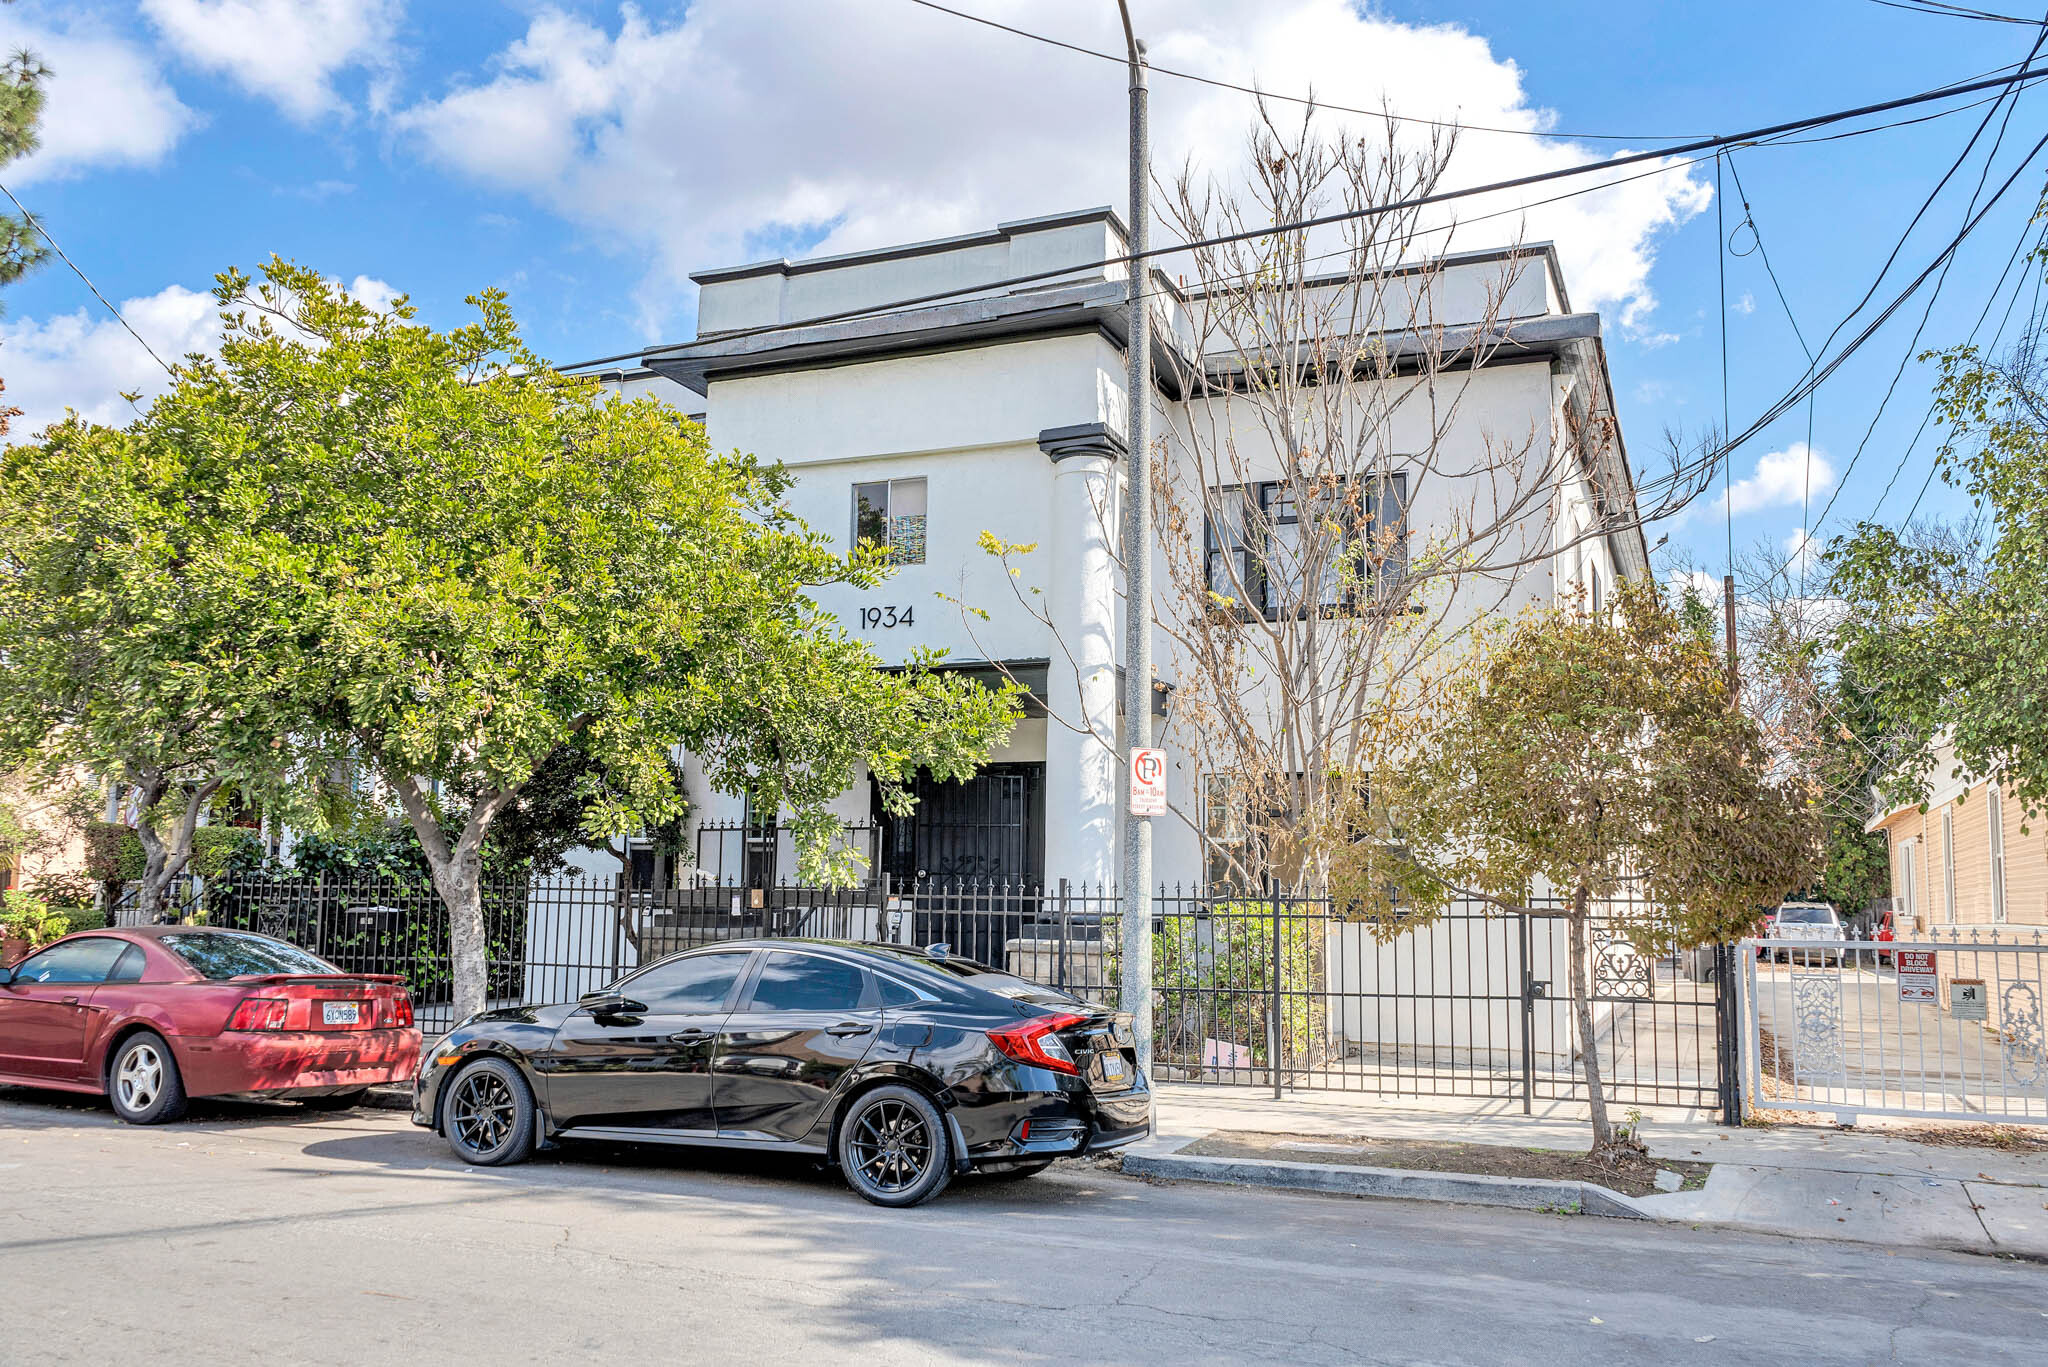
(890, 513)
(1271, 557)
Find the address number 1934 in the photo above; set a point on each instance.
(885, 617)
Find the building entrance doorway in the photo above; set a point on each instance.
(986, 829)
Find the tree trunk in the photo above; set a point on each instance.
(156, 874)
(1582, 1016)
(460, 884)
(458, 878)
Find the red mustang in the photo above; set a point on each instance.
(156, 1014)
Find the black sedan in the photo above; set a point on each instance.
(901, 1066)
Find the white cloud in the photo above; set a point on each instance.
(1801, 551)
(1781, 479)
(106, 102)
(736, 129)
(1705, 587)
(286, 51)
(1746, 305)
(372, 291)
(86, 360)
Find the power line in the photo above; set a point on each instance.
(2040, 242)
(1948, 259)
(1816, 377)
(1721, 277)
(1764, 255)
(1754, 135)
(1912, 344)
(1291, 99)
(1938, 10)
(44, 233)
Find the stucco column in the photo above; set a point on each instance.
(1081, 599)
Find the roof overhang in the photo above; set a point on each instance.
(1091, 306)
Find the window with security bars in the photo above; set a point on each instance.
(890, 513)
(1276, 551)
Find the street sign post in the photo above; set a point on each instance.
(1148, 782)
(1917, 980)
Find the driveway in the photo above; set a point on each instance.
(1863, 1048)
(272, 1235)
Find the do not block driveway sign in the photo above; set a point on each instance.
(1917, 980)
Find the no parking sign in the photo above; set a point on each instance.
(1148, 783)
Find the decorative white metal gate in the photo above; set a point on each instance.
(1948, 1024)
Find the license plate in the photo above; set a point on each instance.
(341, 1013)
(1112, 1067)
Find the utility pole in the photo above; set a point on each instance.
(1137, 843)
(1728, 618)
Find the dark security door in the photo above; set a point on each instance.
(988, 828)
(808, 1019)
(650, 1070)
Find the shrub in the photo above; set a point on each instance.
(113, 852)
(70, 893)
(23, 917)
(217, 849)
(1214, 979)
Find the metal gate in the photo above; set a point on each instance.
(1285, 992)
(1949, 1024)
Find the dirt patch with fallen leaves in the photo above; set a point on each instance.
(1633, 1175)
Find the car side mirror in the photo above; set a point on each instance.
(602, 1004)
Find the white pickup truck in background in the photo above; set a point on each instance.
(1795, 924)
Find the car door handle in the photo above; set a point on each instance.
(71, 1001)
(845, 1028)
(689, 1037)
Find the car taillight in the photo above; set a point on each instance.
(259, 1013)
(401, 1011)
(1037, 1041)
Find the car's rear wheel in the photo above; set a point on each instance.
(489, 1115)
(894, 1148)
(143, 1082)
(335, 1101)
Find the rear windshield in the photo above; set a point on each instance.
(221, 955)
(980, 975)
(1805, 916)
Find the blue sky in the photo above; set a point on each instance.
(587, 156)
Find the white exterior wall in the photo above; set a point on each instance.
(967, 420)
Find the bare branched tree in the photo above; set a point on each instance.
(1335, 505)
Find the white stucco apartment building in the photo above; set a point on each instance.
(1001, 411)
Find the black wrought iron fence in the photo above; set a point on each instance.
(1271, 990)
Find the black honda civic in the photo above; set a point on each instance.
(900, 1066)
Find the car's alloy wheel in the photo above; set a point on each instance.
(143, 1083)
(489, 1115)
(894, 1149)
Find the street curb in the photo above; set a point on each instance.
(1471, 1189)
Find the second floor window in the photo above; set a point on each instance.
(890, 513)
(1276, 550)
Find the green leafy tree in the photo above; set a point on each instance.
(21, 116)
(125, 635)
(1593, 753)
(468, 561)
(1951, 631)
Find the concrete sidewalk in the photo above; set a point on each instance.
(1805, 1181)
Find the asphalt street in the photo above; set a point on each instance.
(272, 1235)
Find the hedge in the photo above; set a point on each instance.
(113, 852)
